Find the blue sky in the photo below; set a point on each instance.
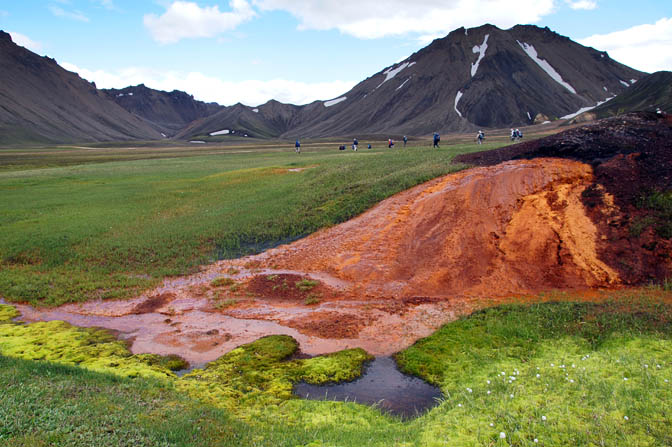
(301, 50)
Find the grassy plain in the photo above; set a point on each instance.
(550, 374)
(85, 222)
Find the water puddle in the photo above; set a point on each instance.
(383, 386)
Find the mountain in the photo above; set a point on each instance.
(650, 93)
(478, 77)
(42, 102)
(168, 112)
(266, 121)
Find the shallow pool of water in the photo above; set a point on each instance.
(381, 385)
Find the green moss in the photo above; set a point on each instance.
(93, 349)
(222, 281)
(261, 373)
(306, 284)
(7, 313)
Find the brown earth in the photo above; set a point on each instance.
(518, 227)
(631, 156)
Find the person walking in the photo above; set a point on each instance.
(479, 137)
(405, 140)
(436, 139)
(390, 143)
(297, 147)
(354, 144)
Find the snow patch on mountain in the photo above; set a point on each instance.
(403, 83)
(334, 101)
(480, 49)
(585, 109)
(529, 49)
(255, 110)
(625, 84)
(391, 72)
(220, 132)
(457, 99)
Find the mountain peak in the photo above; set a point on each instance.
(5, 36)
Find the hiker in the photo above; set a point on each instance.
(405, 140)
(513, 135)
(297, 147)
(436, 139)
(369, 146)
(480, 136)
(519, 134)
(354, 144)
(390, 143)
(341, 147)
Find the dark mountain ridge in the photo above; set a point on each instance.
(42, 102)
(168, 112)
(478, 77)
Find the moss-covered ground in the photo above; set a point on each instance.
(560, 373)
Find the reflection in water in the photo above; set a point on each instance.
(382, 385)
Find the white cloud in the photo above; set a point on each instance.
(644, 47)
(582, 4)
(186, 19)
(25, 41)
(209, 89)
(73, 15)
(373, 18)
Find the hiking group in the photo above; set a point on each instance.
(516, 135)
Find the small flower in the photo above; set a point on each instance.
(552, 365)
(543, 418)
(502, 435)
(538, 375)
(626, 418)
(503, 373)
(536, 440)
(459, 405)
(571, 380)
(573, 365)
(488, 382)
(511, 396)
(625, 378)
(658, 366)
(667, 381)
(491, 424)
(646, 366)
(470, 390)
(488, 391)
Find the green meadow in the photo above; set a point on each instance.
(95, 228)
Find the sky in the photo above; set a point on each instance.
(298, 51)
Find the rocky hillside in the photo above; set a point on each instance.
(630, 198)
(651, 93)
(168, 112)
(42, 102)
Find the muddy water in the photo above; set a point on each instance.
(388, 277)
(381, 385)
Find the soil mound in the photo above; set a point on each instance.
(517, 227)
(630, 197)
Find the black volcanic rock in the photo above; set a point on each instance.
(42, 102)
(169, 112)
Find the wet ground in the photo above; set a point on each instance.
(381, 385)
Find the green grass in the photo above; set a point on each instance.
(659, 205)
(564, 366)
(113, 229)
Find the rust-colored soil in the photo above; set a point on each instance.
(518, 227)
(153, 303)
(330, 324)
(287, 287)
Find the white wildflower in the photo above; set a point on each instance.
(543, 418)
(502, 435)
